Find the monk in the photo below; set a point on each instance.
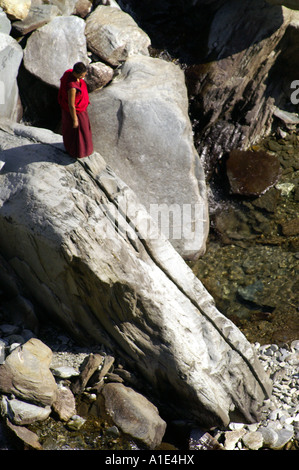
(74, 100)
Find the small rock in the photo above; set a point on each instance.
(75, 423)
(2, 351)
(64, 405)
(253, 440)
(29, 438)
(113, 431)
(286, 189)
(64, 372)
(232, 438)
(284, 436)
(270, 436)
(22, 413)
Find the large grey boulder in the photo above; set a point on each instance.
(5, 24)
(114, 36)
(11, 55)
(56, 47)
(22, 413)
(141, 126)
(92, 257)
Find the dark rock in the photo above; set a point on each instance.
(29, 438)
(290, 227)
(91, 365)
(267, 201)
(251, 173)
(200, 440)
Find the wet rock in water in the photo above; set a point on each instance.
(76, 422)
(267, 201)
(11, 55)
(251, 173)
(5, 24)
(291, 227)
(134, 414)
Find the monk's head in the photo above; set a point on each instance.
(79, 70)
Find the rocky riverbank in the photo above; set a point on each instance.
(83, 428)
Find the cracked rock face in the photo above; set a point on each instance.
(91, 256)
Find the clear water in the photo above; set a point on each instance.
(251, 266)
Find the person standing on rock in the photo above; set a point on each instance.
(74, 100)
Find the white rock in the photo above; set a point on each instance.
(5, 24)
(236, 426)
(253, 440)
(284, 436)
(11, 54)
(64, 34)
(270, 436)
(64, 372)
(232, 438)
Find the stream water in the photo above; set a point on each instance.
(251, 266)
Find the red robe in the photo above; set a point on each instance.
(77, 141)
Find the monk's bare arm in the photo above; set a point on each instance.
(72, 108)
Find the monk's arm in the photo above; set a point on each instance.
(72, 108)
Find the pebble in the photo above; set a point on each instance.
(253, 440)
(279, 425)
(76, 422)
